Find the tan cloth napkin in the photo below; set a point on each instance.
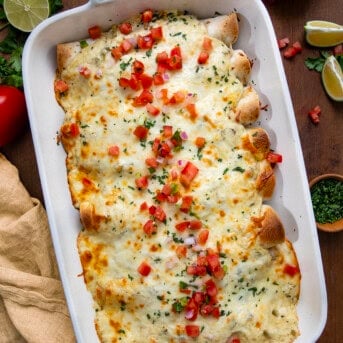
(32, 303)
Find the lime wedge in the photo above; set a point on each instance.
(25, 15)
(322, 33)
(332, 77)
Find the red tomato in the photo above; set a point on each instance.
(272, 157)
(141, 132)
(186, 203)
(154, 111)
(192, 330)
(13, 114)
(182, 226)
(125, 28)
(200, 142)
(203, 236)
(94, 32)
(207, 44)
(290, 270)
(147, 16)
(114, 150)
(188, 173)
(137, 67)
(144, 269)
(160, 214)
(149, 227)
(283, 42)
(142, 99)
(142, 182)
(314, 114)
(156, 33)
(203, 57)
(158, 79)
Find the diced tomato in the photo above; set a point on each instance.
(233, 340)
(161, 197)
(173, 198)
(125, 28)
(94, 32)
(199, 297)
(145, 42)
(144, 98)
(60, 86)
(186, 203)
(144, 206)
(211, 288)
(176, 51)
(290, 52)
(175, 63)
(142, 182)
(154, 111)
(293, 50)
(74, 130)
(137, 67)
(201, 260)
(273, 157)
(162, 57)
(290, 270)
(156, 145)
(164, 150)
(150, 227)
(206, 309)
(195, 225)
(124, 82)
(200, 142)
(126, 45)
(203, 57)
(152, 209)
(188, 173)
(156, 33)
(196, 270)
(134, 82)
(192, 330)
(203, 236)
(167, 189)
(214, 266)
(192, 111)
(177, 97)
(175, 60)
(147, 16)
(182, 226)
(144, 269)
(181, 251)
(283, 42)
(216, 312)
(151, 162)
(191, 310)
(141, 132)
(158, 79)
(146, 80)
(207, 44)
(167, 131)
(163, 94)
(297, 46)
(160, 214)
(117, 53)
(85, 72)
(314, 114)
(114, 150)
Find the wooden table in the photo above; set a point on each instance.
(322, 144)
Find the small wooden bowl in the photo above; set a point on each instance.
(337, 225)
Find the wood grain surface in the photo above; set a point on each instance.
(322, 145)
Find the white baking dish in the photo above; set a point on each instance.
(291, 198)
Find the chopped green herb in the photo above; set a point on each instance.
(239, 169)
(83, 44)
(327, 200)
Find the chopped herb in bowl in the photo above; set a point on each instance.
(327, 200)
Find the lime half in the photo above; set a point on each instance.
(332, 77)
(322, 33)
(25, 15)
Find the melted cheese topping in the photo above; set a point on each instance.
(256, 299)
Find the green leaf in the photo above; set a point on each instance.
(55, 5)
(339, 58)
(315, 63)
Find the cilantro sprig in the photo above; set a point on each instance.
(317, 63)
